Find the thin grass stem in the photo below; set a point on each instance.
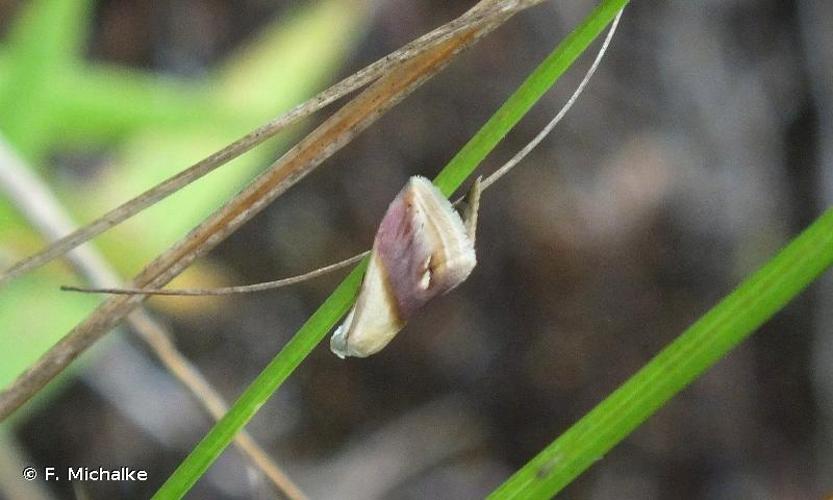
(337, 304)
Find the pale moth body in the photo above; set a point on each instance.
(422, 249)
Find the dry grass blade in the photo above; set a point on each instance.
(37, 203)
(486, 183)
(320, 144)
(473, 19)
(175, 362)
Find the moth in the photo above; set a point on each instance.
(423, 249)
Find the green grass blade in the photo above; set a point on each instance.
(325, 318)
(704, 343)
(535, 86)
(275, 373)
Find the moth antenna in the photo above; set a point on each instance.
(520, 155)
(470, 213)
(230, 290)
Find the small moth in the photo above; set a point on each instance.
(423, 248)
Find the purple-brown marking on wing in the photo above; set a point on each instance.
(408, 245)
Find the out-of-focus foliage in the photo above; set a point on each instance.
(54, 101)
(703, 143)
(688, 358)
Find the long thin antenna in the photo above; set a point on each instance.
(477, 17)
(230, 290)
(485, 184)
(520, 155)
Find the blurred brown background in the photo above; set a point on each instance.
(702, 144)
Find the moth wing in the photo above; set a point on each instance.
(422, 249)
(374, 319)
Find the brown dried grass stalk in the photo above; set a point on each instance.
(339, 129)
(35, 201)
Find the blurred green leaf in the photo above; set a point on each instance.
(52, 100)
(46, 40)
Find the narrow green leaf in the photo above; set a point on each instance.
(325, 318)
(278, 370)
(535, 86)
(703, 344)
